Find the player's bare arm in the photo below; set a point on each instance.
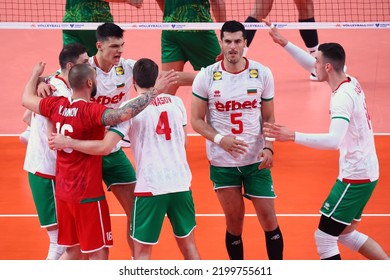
(134, 106)
(29, 98)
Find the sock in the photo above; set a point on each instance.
(274, 243)
(310, 37)
(234, 246)
(335, 257)
(55, 251)
(250, 34)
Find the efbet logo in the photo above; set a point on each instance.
(119, 70)
(233, 105)
(217, 75)
(253, 73)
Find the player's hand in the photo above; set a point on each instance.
(267, 159)
(234, 145)
(275, 34)
(165, 80)
(135, 3)
(45, 90)
(278, 132)
(38, 69)
(57, 142)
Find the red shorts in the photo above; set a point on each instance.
(84, 224)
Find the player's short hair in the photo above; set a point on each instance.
(334, 54)
(79, 74)
(145, 72)
(232, 26)
(107, 30)
(71, 53)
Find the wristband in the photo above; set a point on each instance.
(217, 138)
(269, 149)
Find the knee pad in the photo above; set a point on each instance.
(353, 240)
(326, 244)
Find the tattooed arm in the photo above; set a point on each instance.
(130, 109)
(134, 106)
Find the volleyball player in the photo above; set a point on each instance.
(84, 221)
(158, 137)
(231, 99)
(351, 132)
(40, 161)
(199, 47)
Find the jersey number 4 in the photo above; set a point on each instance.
(163, 126)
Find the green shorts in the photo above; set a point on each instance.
(199, 48)
(86, 11)
(149, 213)
(42, 190)
(256, 182)
(346, 201)
(117, 169)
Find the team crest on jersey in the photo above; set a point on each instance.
(119, 70)
(253, 73)
(217, 75)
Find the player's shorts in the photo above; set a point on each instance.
(84, 224)
(86, 11)
(149, 212)
(346, 201)
(117, 169)
(199, 48)
(256, 182)
(42, 190)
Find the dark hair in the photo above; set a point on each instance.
(107, 30)
(145, 72)
(334, 54)
(232, 26)
(70, 53)
(79, 74)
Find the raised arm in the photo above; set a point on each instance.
(29, 98)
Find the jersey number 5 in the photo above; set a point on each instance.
(163, 126)
(235, 119)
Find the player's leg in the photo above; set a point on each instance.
(172, 56)
(344, 204)
(260, 10)
(306, 14)
(359, 242)
(201, 48)
(148, 217)
(93, 225)
(181, 213)
(119, 177)
(258, 187)
(42, 190)
(227, 185)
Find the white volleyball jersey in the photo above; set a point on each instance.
(39, 158)
(157, 140)
(113, 87)
(358, 159)
(234, 107)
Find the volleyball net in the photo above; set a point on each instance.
(329, 14)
